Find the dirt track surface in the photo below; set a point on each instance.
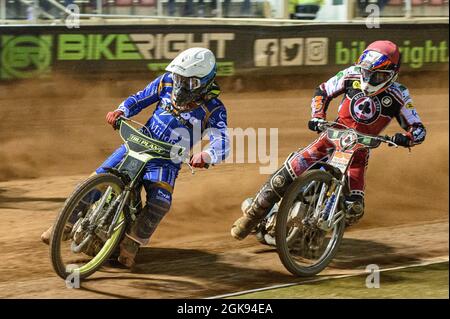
(50, 144)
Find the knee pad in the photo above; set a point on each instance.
(282, 178)
(273, 190)
(159, 201)
(158, 204)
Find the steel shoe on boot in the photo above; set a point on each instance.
(245, 224)
(256, 209)
(77, 212)
(242, 227)
(128, 250)
(355, 211)
(45, 237)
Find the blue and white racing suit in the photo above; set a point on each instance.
(160, 175)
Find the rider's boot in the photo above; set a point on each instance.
(141, 230)
(128, 250)
(355, 209)
(254, 210)
(45, 236)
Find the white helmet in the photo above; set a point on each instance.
(193, 70)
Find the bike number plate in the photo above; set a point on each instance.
(341, 160)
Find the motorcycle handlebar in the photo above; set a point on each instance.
(116, 126)
(384, 139)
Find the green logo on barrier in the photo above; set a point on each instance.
(96, 47)
(25, 56)
(415, 56)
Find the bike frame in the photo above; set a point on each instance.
(346, 142)
(140, 150)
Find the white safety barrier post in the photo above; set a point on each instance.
(219, 8)
(279, 9)
(408, 8)
(159, 8)
(350, 5)
(99, 6)
(35, 11)
(2, 9)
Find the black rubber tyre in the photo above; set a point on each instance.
(58, 229)
(281, 226)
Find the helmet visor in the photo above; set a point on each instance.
(188, 83)
(376, 77)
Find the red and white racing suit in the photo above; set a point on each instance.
(365, 114)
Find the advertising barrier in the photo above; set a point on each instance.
(128, 51)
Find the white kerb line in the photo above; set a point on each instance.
(431, 261)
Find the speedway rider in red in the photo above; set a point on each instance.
(372, 98)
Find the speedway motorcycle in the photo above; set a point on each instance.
(308, 223)
(94, 218)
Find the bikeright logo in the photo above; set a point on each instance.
(152, 47)
(25, 56)
(137, 46)
(415, 56)
(290, 52)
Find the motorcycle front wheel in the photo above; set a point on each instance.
(313, 248)
(78, 244)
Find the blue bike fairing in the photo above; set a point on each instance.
(155, 171)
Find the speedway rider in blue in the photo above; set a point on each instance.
(187, 101)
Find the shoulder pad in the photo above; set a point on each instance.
(213, 92)
(167, 77)
(351, 72)
(401, 90)
(166, 80)
(213, 104)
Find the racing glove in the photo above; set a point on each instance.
(314, 124)
(401, 140)
(112, 117)
(200, 160)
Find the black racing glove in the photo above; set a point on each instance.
(401, 140)
(314, 124)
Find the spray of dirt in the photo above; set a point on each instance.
(61, 131)
(52, 130)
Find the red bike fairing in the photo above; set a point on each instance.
(365, 114)
(319, 150)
